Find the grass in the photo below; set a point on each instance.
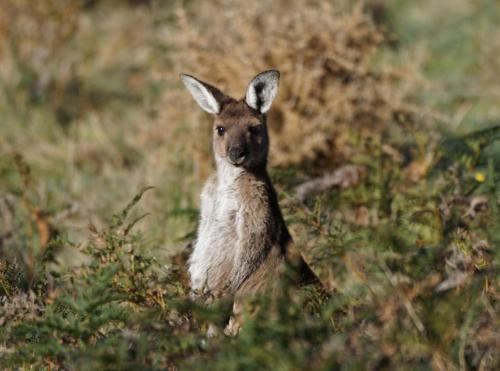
(92, 113)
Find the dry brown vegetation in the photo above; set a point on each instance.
(329, 89)
(331, 94)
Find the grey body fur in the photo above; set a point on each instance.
(242, 241)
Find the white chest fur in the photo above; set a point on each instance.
(217, 232)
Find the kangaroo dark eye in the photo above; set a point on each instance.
(220, 130)
(254, 129)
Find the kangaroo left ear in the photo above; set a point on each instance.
(207, 96)
(262, 90)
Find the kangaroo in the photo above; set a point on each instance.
(242, 241)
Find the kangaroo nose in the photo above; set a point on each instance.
(237, 155)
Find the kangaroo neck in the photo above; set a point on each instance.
(227, 174)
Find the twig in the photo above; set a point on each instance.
(345, 176)
(406, 302)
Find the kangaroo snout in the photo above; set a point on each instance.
(237, 154)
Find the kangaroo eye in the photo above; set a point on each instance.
(220, 130)
(254, 129)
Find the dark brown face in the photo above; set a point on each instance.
(240, 132)
(240, 135)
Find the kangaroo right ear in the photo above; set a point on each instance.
(262, 90)
(208, 97)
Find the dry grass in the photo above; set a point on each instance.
(83, 109)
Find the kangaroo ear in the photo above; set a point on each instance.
(262, 90)
(208, 97)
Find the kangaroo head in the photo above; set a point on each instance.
(239, 131)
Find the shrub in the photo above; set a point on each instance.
(330, 90)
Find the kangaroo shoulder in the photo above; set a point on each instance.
(209, 187)
(210, 183)
(255, 194)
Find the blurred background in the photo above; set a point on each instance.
(90, 97)
(406, 93)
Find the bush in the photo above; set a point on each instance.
(330, 90)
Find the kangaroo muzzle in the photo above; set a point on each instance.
(237, 155)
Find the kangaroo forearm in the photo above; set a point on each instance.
(251, 253)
